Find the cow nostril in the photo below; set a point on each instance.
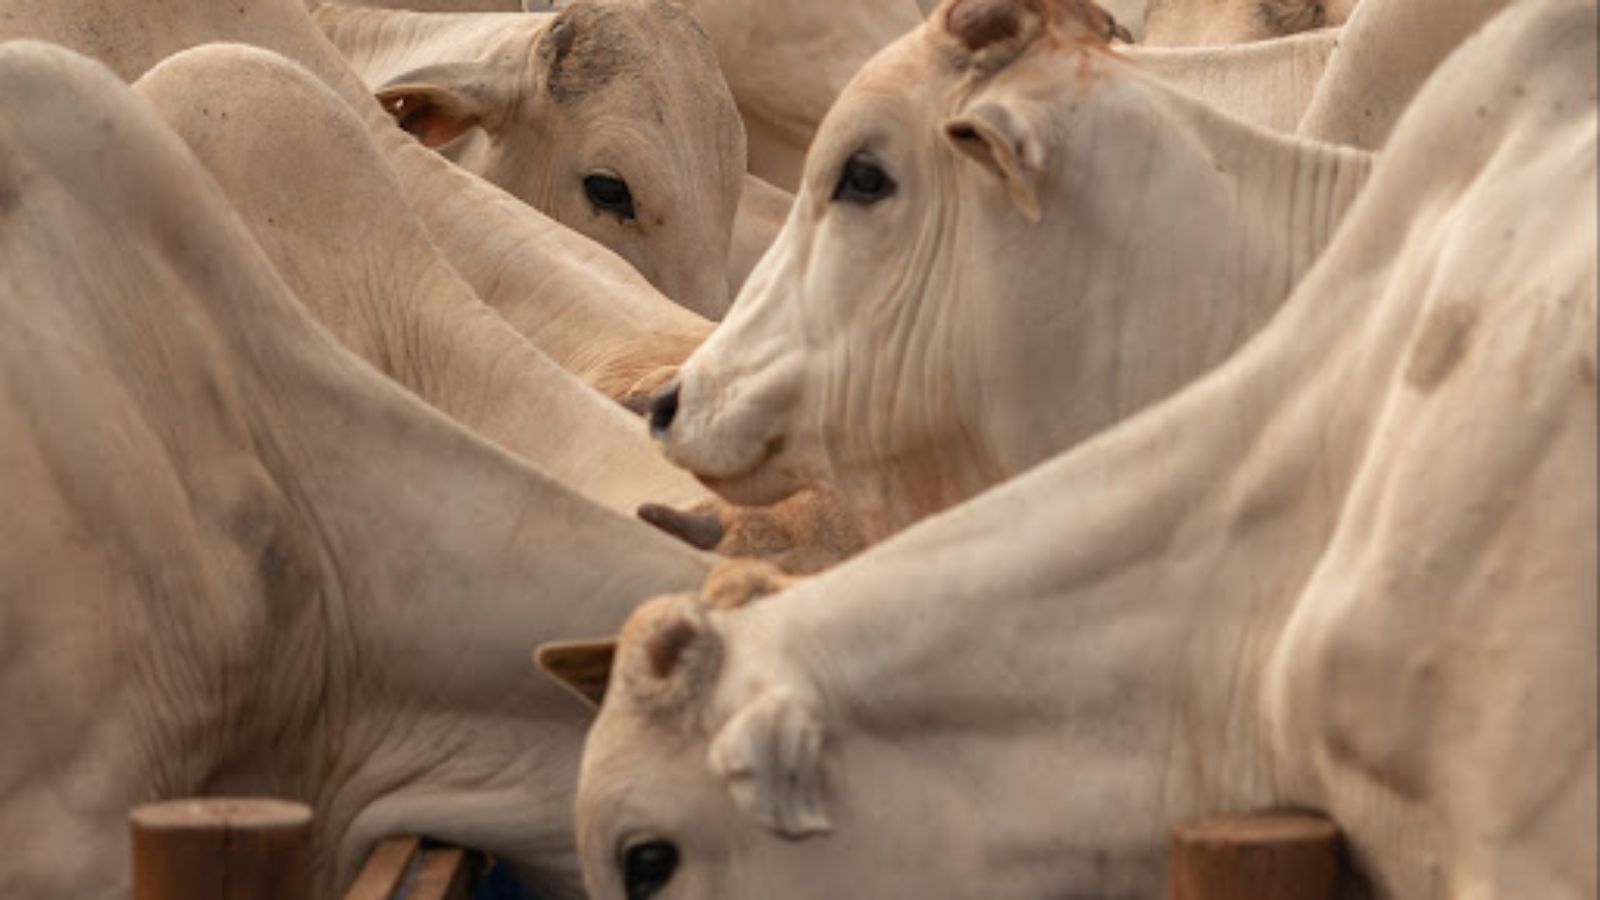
(662, 411)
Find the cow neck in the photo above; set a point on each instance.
(1162, 579)
(1267, 82)
(442, 562)
(1284, 201)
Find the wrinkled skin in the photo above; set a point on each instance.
(993, 309)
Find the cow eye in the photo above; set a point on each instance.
(647, 867)
(609, 194)
(863, 182)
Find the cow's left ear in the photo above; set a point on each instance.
(770, 755)
(1003, 141)
(438, 104)
(583, 667)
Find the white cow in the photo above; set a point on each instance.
(1004, 244)
(239, 560)
(1352, 570)
(611, 117)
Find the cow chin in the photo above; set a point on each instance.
(769, 482)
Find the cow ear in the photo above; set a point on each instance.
(1003, 142)
(669, 652)
(583, 667)
(438, 104)
(770, 755)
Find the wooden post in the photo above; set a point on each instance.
(221, 849)
(1267, 856)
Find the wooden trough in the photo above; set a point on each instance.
(260, 849)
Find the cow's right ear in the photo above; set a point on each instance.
(1004, 142)
(438, 104)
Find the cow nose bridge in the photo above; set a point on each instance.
(663, 409)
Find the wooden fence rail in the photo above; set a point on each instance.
(260, 849)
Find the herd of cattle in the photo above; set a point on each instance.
(1102, 418)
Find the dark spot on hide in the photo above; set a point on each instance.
(1442, 344)
(666, 646)
(587, 48)
(1291, 16)
(979, 23)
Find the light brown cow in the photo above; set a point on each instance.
(1352, 570)
(1003, 245)
(239, 560)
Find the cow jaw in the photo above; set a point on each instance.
(731, 434)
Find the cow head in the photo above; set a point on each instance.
(725, 764)
(895, 340)
(616, 122)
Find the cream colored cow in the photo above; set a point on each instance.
(577, 301)
(611, 117)
(237, 559)
(1000, 249)
(1352, 570)
(400, 306)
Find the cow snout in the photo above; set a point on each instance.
(663, 409)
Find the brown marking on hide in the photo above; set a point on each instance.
(591, 45)
(666, 645)
(979, 24)
(1442, 345)
(1284, 17)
